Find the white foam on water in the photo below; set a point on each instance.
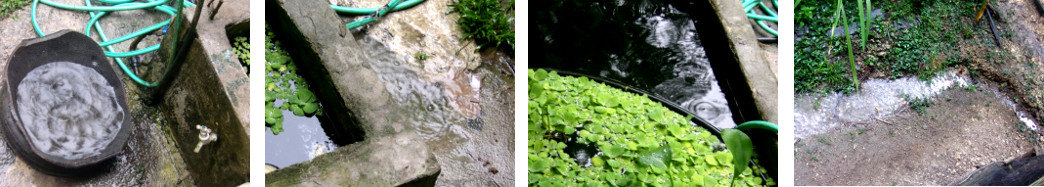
(69, 110)
(877, 97)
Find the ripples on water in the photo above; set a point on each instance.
(646, 44)
(69, 110)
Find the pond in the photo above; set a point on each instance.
(647, 44)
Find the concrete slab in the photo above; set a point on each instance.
(397, 160)
(347, 86)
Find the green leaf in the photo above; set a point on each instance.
(539, 75)
(613, 163)
(597, 161)
(741, 147)
(297, 110)
(306, 96)
(613, 151)
(276, 128)
(536, 164)
(656, 157)
(310, 108)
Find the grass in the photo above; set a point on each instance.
(910, 38)
(919, 105)
(487, 22)
(7, 7)
(824, 141)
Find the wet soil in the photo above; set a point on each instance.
(962, 131)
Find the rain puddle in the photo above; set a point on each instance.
(646, 44)
(879, 99)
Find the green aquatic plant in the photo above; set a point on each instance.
(242, 49)
(487, 22)
(282, 83)
(642, 143)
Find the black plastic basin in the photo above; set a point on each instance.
(73, 117)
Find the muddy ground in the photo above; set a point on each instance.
(964, 130)
(961, 131)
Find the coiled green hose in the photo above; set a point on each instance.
(377, 12)
(748, 7)
(97, 12)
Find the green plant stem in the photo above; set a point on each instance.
(851, 57)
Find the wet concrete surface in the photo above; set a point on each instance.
(472, 151)
(466, 99)
(427, 28)
(148, 159)
(472, 141)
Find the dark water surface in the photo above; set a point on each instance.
(648, 45)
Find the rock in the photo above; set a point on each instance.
(840, 30)
(877, 13)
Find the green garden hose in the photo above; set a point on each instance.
(748, 7)
(756, 124)
(97, 12)
(394, 5)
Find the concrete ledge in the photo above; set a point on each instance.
(398, 160)
(752, 94)
(337, 70)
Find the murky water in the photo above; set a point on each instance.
(647, 44)
(878, 99)
(68, 110)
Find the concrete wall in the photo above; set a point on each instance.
(212, 90)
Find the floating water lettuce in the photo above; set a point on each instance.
(283, 83)
(642, 143)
